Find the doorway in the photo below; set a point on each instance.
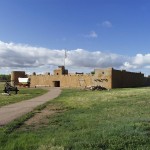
(56, 83)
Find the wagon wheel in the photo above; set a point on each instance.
(6, 84)
(16, 90)
(14, 83)
(5, 90)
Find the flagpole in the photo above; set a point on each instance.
(65, 58)
(64, 62)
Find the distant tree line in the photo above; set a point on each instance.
(4, 77)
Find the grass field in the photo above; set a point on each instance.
(23, 94)
(89, 120)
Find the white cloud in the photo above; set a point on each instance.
(24, 57)
(138, 61)
(107, 24)
(85, 58)
(92, 34)
(128, 65)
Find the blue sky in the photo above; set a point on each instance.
(115, 32)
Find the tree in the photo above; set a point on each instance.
(4, 77)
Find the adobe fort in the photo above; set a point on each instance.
(107, 78)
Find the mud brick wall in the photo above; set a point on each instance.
(122, 79)
(103, 78)
(108, 78)
(64, 80)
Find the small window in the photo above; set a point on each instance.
(102, 72)
(57, 73)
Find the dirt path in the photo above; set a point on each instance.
(10, 112)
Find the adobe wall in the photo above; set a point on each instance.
(117, 79)
(71, 81)
(122, 79)
(60, 71)
(103, 77)
(147, 81)
(108, 78)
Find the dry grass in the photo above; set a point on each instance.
(41, 117)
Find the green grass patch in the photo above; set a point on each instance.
(92, 120)
(23, 94)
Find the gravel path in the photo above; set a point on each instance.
(10, 112)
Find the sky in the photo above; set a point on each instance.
(35, 34)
